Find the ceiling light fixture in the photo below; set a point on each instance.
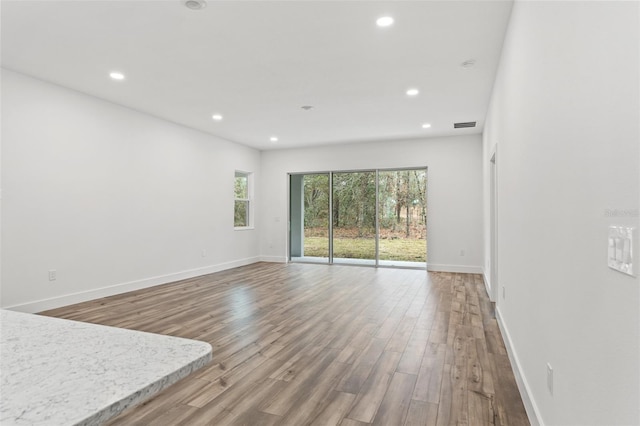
(216, 117)
(195, 4)
(116, 75)
(413, 92)
(384, 21)
(426, 125)
(273, 139)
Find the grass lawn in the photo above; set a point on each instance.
(410, 250)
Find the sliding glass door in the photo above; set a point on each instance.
(369, 217)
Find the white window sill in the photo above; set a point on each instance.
(243, 228)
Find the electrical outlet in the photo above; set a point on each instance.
(204, 253)
(550, 378)
(461, 252)
(52, 275)
(504, 293)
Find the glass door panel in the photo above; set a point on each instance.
(402, 209)
(309, 217)
(354, 217)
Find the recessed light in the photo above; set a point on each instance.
(426, 125)
(195, 4)
(413, 92)
(116, 75)
(273, 139)
(384, 21)
(216, 117)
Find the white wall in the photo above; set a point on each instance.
(454, 191)
(565, 118)
(109, 197)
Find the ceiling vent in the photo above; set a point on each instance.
(464, 125)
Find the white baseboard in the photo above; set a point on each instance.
(454, 268)
(274, 259)
(83, 296)
(487, 285)
(525, 391)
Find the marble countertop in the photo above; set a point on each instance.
(60, 372)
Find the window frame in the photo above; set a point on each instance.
(247, 201)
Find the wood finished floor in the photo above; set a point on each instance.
(324, 345)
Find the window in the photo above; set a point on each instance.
(242, 203)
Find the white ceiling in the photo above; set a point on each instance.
(258, 62)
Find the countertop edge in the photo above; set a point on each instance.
(148, 391)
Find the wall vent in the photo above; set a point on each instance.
(463, 125)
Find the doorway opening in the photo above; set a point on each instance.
(364, 217)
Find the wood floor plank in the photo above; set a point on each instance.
(440, 329)
(430, 375)
(445, 399)
(317, 395)
(414, 351)
(480, 409)
(374, 388)
(358, 373)
(173, 416)
(242, 408)
(402, 334)
(279, 404)
(395, 405)
(325, 345)
(351, 422)
(230, 404)
(251, 417)
(508, 405)
(335, 410)
(222, 391)
(421, 414)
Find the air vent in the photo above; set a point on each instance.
(463, 125)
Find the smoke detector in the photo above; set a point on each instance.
(195, 4)
(469, 63)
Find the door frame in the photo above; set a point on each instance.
(493, 225)
(377, 213)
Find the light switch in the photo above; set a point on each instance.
(621, 249)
